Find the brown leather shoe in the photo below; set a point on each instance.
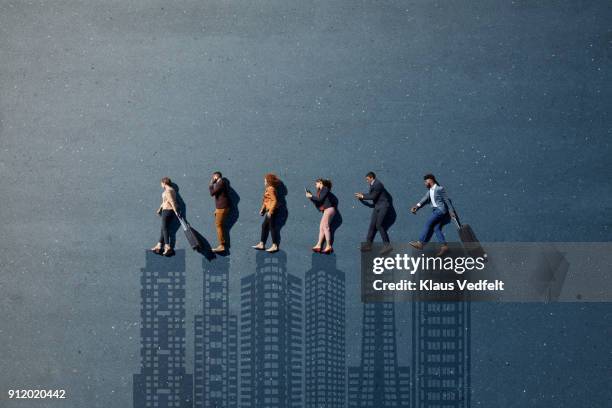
(417, 244)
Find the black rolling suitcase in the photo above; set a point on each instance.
(190, 235)
(469, 240)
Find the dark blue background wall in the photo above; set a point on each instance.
(507, 102)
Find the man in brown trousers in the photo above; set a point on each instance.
(218, 188)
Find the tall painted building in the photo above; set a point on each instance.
(162, 381)
(232, 357)
(378, 382)
(271, 352)
(325, 339)
(215, 344)
(353, 386)
(441, 347)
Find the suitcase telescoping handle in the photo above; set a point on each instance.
(456, 219)
(457, 222)
(182, 221)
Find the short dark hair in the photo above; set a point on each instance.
(218, 173)
(166, 181)
(371, 174)
(430, 176)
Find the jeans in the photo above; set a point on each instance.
(436, 221)
(269, 226)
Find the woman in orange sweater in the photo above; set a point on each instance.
(269, 207)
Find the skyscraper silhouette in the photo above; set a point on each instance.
(325, 339)
(441, 354)
(162, 381)
(215, 343)
(232, 357)
(354, 384)
(271, 335)
(378, 382)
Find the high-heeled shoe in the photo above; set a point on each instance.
(316, 249)
(328, 251)
(157, 249)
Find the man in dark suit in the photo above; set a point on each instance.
(381, 203)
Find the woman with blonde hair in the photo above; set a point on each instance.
(326, 202)
(269, 210)
(168, 210)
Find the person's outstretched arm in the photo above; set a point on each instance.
(424, 200)
(421, 203)
(374, 193)
(367, 204)
(321, 197)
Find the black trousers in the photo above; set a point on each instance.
(377, 224)
(269, 227)
(167, 218)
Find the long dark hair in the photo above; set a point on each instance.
(326, 182)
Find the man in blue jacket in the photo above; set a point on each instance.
(442, 211)
(381, 204)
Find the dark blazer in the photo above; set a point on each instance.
(324, 199)
(378, 195)
(219, 191)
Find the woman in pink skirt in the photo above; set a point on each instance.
(327, 203)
